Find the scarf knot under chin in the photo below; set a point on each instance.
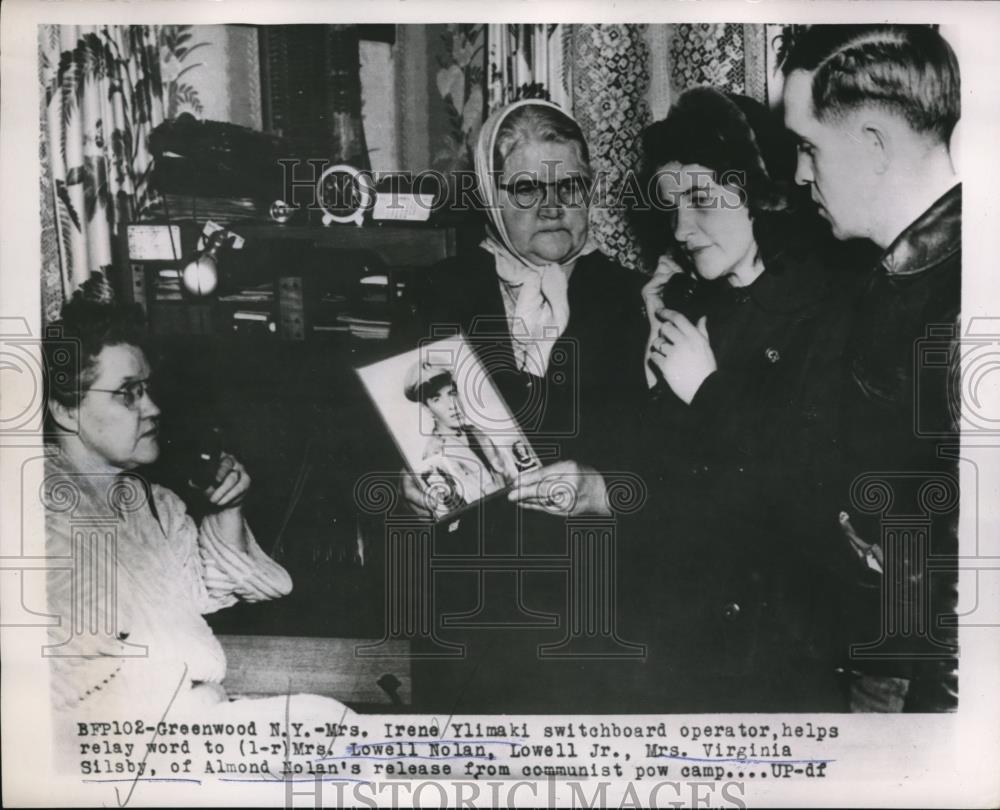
(540, 311)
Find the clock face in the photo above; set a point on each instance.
(343, 192)
(281, 211)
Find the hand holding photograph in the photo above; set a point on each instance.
(458, 438)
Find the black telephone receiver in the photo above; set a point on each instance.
(685, 291)
(206, 458)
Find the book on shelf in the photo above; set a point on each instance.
(253, 322)
(261, 293)
(168, 285)
(366, 328)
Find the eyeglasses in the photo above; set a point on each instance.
(570, 191)
(131, 393)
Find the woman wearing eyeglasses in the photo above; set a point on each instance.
(555, 322)
(558, 326)
(140, 578)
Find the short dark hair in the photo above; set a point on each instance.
(910, 70)
(538, 122)
(737, 138)
(729, 135)
(91, 320)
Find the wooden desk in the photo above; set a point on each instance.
(260, 666)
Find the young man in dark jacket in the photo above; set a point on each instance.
(874, 108)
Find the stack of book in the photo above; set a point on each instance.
(260, 294)
(168, 285)
(363, 311)
(252, 309)
(365, 328)
(370, 318)
(328, 310)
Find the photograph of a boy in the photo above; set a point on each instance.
(456, 451)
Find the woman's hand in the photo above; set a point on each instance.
(870, 553)
(564, 488)
(415, 495)
(681, 353)
(652, 297)
(232, 481)
(652, 291)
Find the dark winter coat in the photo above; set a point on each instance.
(900, 471)
(594, 380)
(725, 587)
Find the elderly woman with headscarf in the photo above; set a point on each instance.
(555, 322)
(559, 329)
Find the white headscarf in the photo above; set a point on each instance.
(541, 313)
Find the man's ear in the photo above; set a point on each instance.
(65, 417)
(877, 142)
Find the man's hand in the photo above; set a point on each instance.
(870, 553)
(681, 353)
(564, 488)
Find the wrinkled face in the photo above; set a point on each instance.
(445, 407)
(114, 433)
(711, 222)
(833, 162)
(549, 230)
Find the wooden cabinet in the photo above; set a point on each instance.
(300, 263)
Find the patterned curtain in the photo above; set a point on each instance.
(460, 86)
(530, 61)
(104, 90)
(729, 56)
(610, 85)
(599, 73)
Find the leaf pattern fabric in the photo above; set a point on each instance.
(105, 88)
(459, 82)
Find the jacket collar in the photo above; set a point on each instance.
(933, 237)
(792, 280)
(794, 273)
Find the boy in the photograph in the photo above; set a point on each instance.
(476, 466)
(874, 108)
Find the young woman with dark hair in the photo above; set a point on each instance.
(748, 311)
